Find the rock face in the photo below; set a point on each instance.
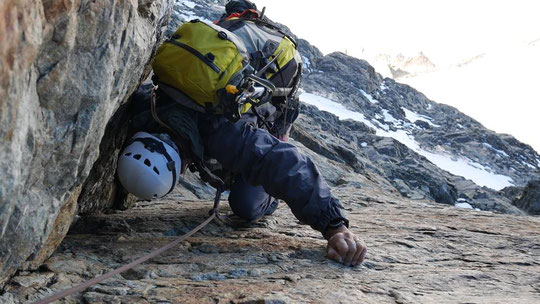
(400, 128)
(393, 107)
(418, 253)
(530, 199)
(65, 68)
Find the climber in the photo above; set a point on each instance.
(254, 160)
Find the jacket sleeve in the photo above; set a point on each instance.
(283, 172)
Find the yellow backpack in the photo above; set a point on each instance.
(203, 63)
(266, 42)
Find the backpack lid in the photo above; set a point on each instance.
(238, 6)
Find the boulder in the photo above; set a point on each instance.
(65, 68)
(530, 199)
(444, 194)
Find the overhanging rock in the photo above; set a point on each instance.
(65, 69)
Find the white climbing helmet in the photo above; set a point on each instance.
(149, 167)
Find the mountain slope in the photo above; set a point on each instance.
(441, 144)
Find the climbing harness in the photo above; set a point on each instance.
(213, 214)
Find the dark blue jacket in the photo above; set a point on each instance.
(278, 166)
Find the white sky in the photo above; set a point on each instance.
(435, 27)
(447, 32)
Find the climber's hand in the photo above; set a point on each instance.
(344, 247)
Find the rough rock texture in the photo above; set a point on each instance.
(418, 253)
(65, 68)
(530, 199)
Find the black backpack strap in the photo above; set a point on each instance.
(205, 173)
(232, 25)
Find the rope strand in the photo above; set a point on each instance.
(143, 259)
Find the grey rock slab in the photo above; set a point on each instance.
(418, 252)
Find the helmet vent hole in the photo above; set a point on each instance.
(147, 162)
(128, 154)
(137, 156)
(156, 170)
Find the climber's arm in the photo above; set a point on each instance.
(278, 167)
(286, 174)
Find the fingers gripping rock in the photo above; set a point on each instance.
(346, 248)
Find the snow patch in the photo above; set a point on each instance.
(501, 152)
(306, 61)
(464, 206)
(335, 108)
(188, 16)
(413, 116)
(364, 144)
(467, 168)
(188, 3)
(383, 86)
(389, 118)
(369, 97)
